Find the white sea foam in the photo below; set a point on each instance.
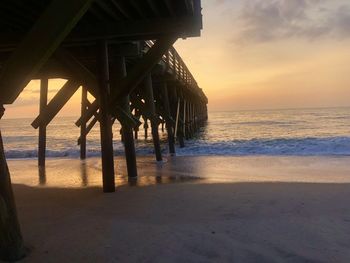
(315, 132)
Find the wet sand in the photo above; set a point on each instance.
(220, 209)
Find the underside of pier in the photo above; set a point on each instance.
(121, 53)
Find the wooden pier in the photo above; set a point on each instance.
(120, 52)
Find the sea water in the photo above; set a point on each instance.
(291, 132)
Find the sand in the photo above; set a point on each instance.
(201, 220)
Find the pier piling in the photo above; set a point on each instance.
(168, 119)
(42, 128)
(151, 108)
(82, 139)
(119, 72)
(105, 118)
(11, 241)
(68, 40)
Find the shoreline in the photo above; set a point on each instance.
(178, 216)
(67, 172)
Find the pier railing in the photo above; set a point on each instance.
(175, 66)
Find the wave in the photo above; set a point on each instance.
(337, 146)
(268, 123)
(29, 154)
(69, 153)
(330, 146)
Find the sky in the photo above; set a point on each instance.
(263, 54)
(256, 54)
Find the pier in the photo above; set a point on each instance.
(121, 53)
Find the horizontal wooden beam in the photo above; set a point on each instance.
(123, 30)
(146, 29)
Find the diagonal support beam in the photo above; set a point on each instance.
(89, 128)
(144, 66)
(56, 104)
(77, 70)
(57, 21)
(126, 84)
(91, 111)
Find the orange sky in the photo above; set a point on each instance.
(272, 53)
(257, 54)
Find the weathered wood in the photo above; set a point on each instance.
(44, 83)
(42, 175)
(189, 117)
(105, 119)
(91, 111)
(92, 124)
(177, 118)
(149, 101)
(11, 241)
(118, 72)
(136, 130)
(56, 104)
(181, 130)
(185, 119)
(78, 71)
(162, 126)
(39, 44)
(145, 127)
(138, 29)
(169, 121)
(83, 130)
(140, 70)
(122, 116)
(126, 84)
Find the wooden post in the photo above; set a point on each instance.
(83, 124)
(141, 69)
(42, 128)
(177, 118)
(149, 100)
(136, 130)
(11, 241)
(42, 175)
(119, 71)
(105, 119)
(189, 120)
(162, 126)
(145, 126)
(178, 128)
(56, 104)
(181, 130)
(185, 120)
(195, 126)
(168, 119)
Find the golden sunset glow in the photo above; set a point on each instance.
(300, 61)
(254, 55)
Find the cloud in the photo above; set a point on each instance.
(219, 2)
(269, 20)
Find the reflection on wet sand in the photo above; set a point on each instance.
(153, 173)
(84, 174)
(73, 173)
(42, 175)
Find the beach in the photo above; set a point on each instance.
(207, 209)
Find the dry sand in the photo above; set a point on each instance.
(196, 221)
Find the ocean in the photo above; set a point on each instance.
(292, 132)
